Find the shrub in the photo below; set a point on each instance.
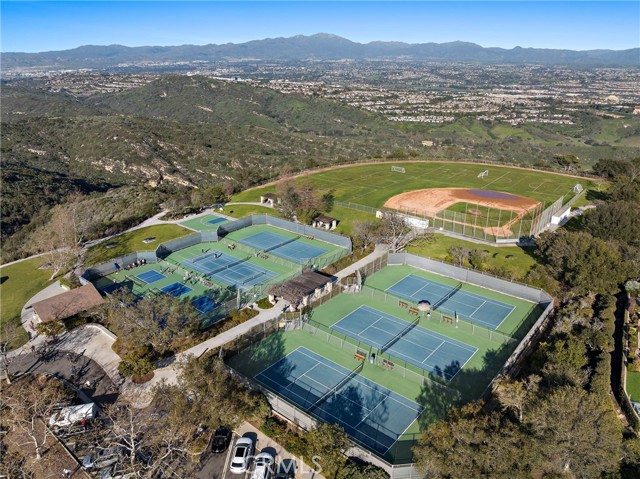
(50, 328)
(133, 366)
(264, 303)
(239, 316)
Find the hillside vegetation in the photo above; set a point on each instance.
(177, 133)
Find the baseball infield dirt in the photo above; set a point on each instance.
(433, 200)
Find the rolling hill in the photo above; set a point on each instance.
(321, 46)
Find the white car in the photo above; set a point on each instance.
(241, 456)
(264, 466)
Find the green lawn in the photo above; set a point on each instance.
(633, 385)
(372, 185)
(240, 211)
(512, 259)
(204, 223)
(19, 282)
(132, 242)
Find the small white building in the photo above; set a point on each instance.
(562, 214)
(269, 199)
(326, 222)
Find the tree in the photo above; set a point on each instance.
(568, 162)
(623, 188)
(614, 221)
(458, 254)
(478, 258)
(301, 201)
(576, 432)
(327, 443)
(8, 331)
(368, 471)
(395, 232)
(207, 395)
(31, 403)
(58, 240)
(583, 263)
(515, 395)
(136, 366)
(365, 233)
(472, 443)
(50, 328)
(159, 322)
(288, 199)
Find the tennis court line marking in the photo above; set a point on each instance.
(433, 334)
(432, 352)
(337, 419)
(463, 293)
(410, 359)
(356, 379)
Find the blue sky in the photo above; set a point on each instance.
(580, 25)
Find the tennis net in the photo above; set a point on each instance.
(290, 240)
(136, 281)
(341, 383)
(446, 297)
(226, 266)
(255, 276)
(397, 338)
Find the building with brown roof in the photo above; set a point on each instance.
(67, 304)
(302, 289)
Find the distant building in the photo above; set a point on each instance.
(427, 143)
(636, 110)
(269, 199)
(326, 222)
(68, 304)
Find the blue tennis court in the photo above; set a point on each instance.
(209, 263)
(484, 311)
(243, 275)
(433, 352)
(204, 304)
(215, 221)
(368, 412)
(284, 246)
(176, 289)
(151, 276)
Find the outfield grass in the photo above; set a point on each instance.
(633, 385)
(515, 260)
(20, 281)
(346, 217)
(133, 241)
(372, 185)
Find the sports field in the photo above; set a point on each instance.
(373, 185)
(206, 222)
(380, 367)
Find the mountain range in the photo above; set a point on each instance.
(321, 46)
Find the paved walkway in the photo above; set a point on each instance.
(141, 395)
(95, 342)
(378, 252)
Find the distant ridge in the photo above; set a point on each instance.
(322, 46)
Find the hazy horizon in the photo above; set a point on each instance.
(31, 27)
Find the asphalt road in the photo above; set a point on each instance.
(82, 372)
